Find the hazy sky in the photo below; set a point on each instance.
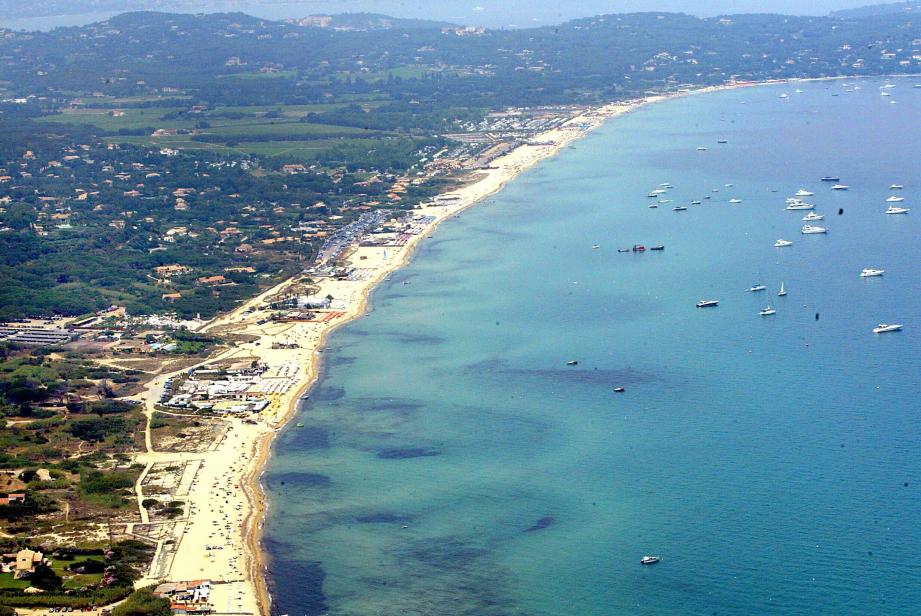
(498, 13)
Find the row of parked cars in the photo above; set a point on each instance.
(167, 390)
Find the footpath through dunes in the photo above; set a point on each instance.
(511, 482)
(218, 535)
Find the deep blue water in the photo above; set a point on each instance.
(773, 463)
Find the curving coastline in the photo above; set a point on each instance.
(238, 460)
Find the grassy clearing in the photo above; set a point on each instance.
(132, 119)
(243, 129)
(8, 583)
(290, 74)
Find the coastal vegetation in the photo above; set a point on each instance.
(80, 577)
(65, 436)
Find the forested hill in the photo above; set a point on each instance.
(876, 10)
(218, 57)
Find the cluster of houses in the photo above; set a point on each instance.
(190, 597)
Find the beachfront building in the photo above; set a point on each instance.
(190, 597)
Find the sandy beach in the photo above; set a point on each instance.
(219, 537)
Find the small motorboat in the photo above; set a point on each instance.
(695, 202)
(840, 187)
(619, 390)
(882, 328)
(897, 210)
(701, 148)
(653, 206)
(649, 560)
(572, 362)
(657, 248)
(895, 199)
(722, 141)
(782, 243)
(798, 204)
(896, 187)
(638, 248)
(813, 216)
(623, 250)
(869, 272)
(680, 208)
(757, 287)
(734, 201)
(810, 230)
(595, 246)
(767, 311)
(831, 178)
(708, 303)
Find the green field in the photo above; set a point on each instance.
(261, 75)
(296, 151)
(278, 128)
(8, 583)
(292, 111)
(133, 119)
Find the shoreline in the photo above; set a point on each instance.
(243, 453)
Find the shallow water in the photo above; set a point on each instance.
(772, 462)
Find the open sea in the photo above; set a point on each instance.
(451, 463)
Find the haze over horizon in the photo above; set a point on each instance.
(509, 13)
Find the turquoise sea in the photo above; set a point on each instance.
(452, 463)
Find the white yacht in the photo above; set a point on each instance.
(812, 216)
(895, 199)
(802, 192)
(784, 95)
(695, 202)
(767, 311)
(708, 303)
(782, 243)
(869, 272)
(799, 204)
(680, 208)
(649, 560)
(882, 328)
(840, 187)
(665, 185)
(701, 148)
(810, 230)
(664, 201)
(897, 210)
(783, 291)
(735, 201)
(653, 206)
(896, 187)
(884, 94)
(657, 192)
(757, 287)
